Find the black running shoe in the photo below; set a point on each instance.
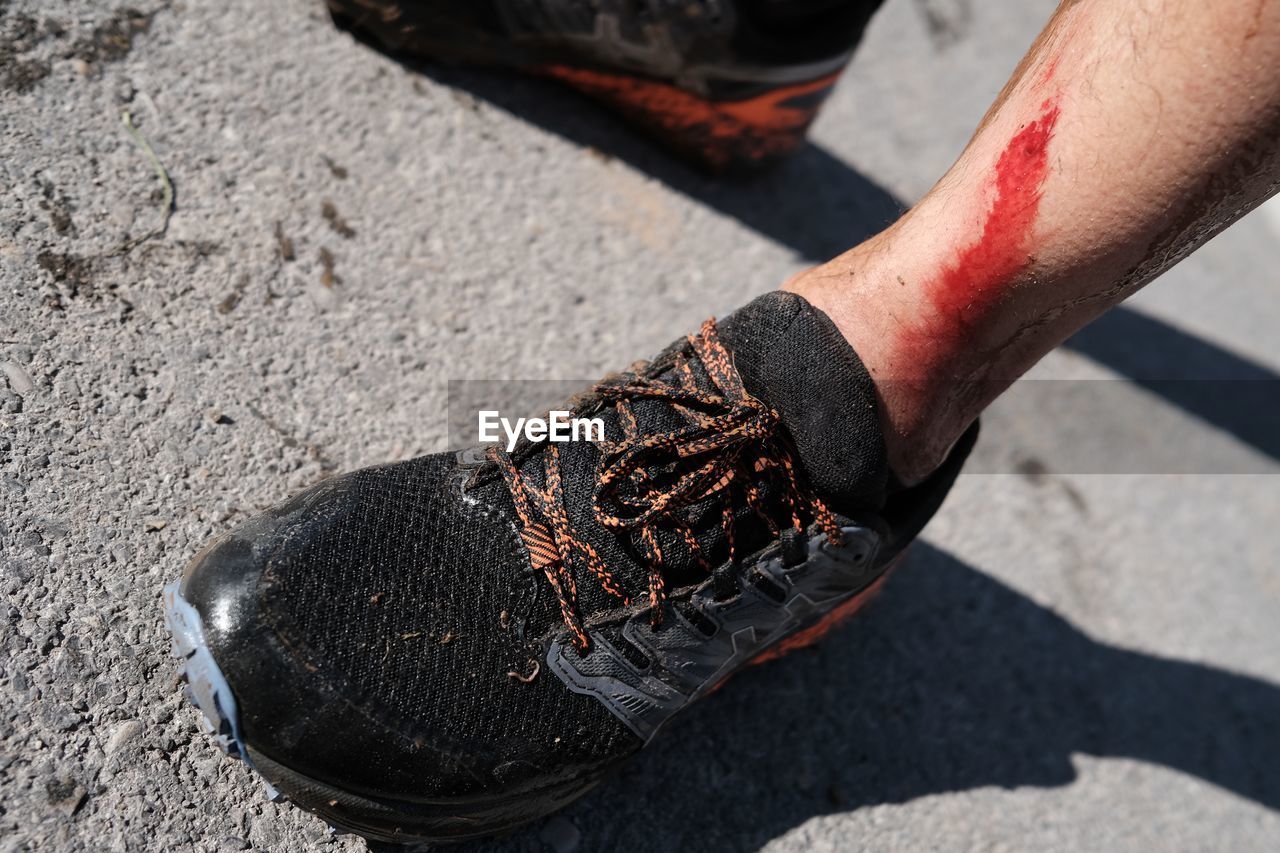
(733, 84)
(447, 648)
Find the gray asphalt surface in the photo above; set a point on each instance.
(1072, 660)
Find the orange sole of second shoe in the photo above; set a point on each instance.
(723, 134)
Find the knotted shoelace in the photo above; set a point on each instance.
(730, 441)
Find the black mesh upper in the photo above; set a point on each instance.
(397, 589)
(406, 589)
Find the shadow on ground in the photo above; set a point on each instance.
(950, 681)
(812, 203)
(818, 206)
(953, 681)
(1229, 391)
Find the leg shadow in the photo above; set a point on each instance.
(1230, 392)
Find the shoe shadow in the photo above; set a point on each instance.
(951, 681)
(812, 202)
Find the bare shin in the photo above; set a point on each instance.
(1132, 132)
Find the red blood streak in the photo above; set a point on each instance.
(980, 274)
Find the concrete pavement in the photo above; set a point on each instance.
(1072, 660)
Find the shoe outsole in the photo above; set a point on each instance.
(204, 685)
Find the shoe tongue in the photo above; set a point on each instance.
(791, 356)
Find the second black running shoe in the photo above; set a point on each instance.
(449, 647)
(733, 84)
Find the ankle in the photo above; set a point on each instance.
(925, 383)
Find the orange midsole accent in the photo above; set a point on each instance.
(767, 118)
(822, 627)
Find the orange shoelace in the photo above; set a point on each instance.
(729, 442)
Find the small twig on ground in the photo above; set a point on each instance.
(127, 120)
